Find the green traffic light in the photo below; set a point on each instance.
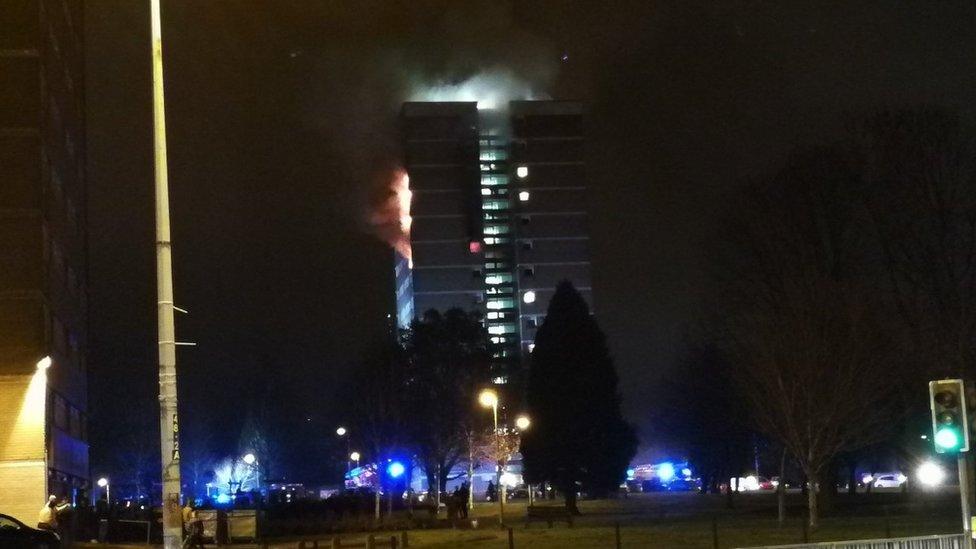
(947, 438)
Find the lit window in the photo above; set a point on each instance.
(492, 316)
(500, 380)
(531, 347)
(474, 246)
(524, 196)
(485, 192)
(498, 279)
(522, 172)
(491, 240)
(528, 297)
(501, 329)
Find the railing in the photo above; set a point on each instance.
(948, 541)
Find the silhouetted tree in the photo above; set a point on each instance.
(918, 183)
(446, 361)
(801, 315)
(703, 413)
(579, 439)
(379, 418)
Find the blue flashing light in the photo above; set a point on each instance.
(630, 474)
(223, 498)
(665, 472)
(395, 469)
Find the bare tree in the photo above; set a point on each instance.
(918, 170)
(800, 315)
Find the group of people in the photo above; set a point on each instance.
(457, 502)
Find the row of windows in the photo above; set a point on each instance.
(67, 417)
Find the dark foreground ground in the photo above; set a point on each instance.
(667, 520)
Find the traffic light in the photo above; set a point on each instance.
(950, 424)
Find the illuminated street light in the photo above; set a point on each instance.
(522, 172)
(44, 363)
(522, 422)
(103, 483)
(249, 458)
(930, 474)
(341, 431)
(488, 399)
(355, 457)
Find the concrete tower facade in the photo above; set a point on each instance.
(498, 216)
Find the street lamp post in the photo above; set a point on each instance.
(489, 398)
(252, 461)
(341, 432)
(355, 457)
(522, 423)
(166, 332)
(103, 482)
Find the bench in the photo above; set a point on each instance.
(549, 514)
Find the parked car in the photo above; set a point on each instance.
(889, 480)
(17, 535)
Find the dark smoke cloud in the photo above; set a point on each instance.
(431, 51)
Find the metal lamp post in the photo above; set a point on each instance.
(168, 419)
(342, 432)
(103, 483)
(489, 398)
(252, 461)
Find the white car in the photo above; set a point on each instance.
(889, 480)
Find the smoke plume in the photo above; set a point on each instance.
(442, 51)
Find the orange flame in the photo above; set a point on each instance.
(392, 219)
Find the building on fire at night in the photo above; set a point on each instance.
(498, 215)
(43, 265)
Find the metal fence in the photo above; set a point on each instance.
(949, 541)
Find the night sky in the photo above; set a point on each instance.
(281, 119)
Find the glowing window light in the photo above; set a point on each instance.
(528, 297)
(522, 172)
(486, 192)
(524, 196)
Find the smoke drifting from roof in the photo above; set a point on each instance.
(492, 89)
(447, 51)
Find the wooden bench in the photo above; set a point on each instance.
(549, 514)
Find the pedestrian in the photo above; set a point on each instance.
(490, 491)
(463, 494)
(47, 519)
(192, 527)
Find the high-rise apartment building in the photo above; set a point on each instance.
(43, 259)
(498, 215)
